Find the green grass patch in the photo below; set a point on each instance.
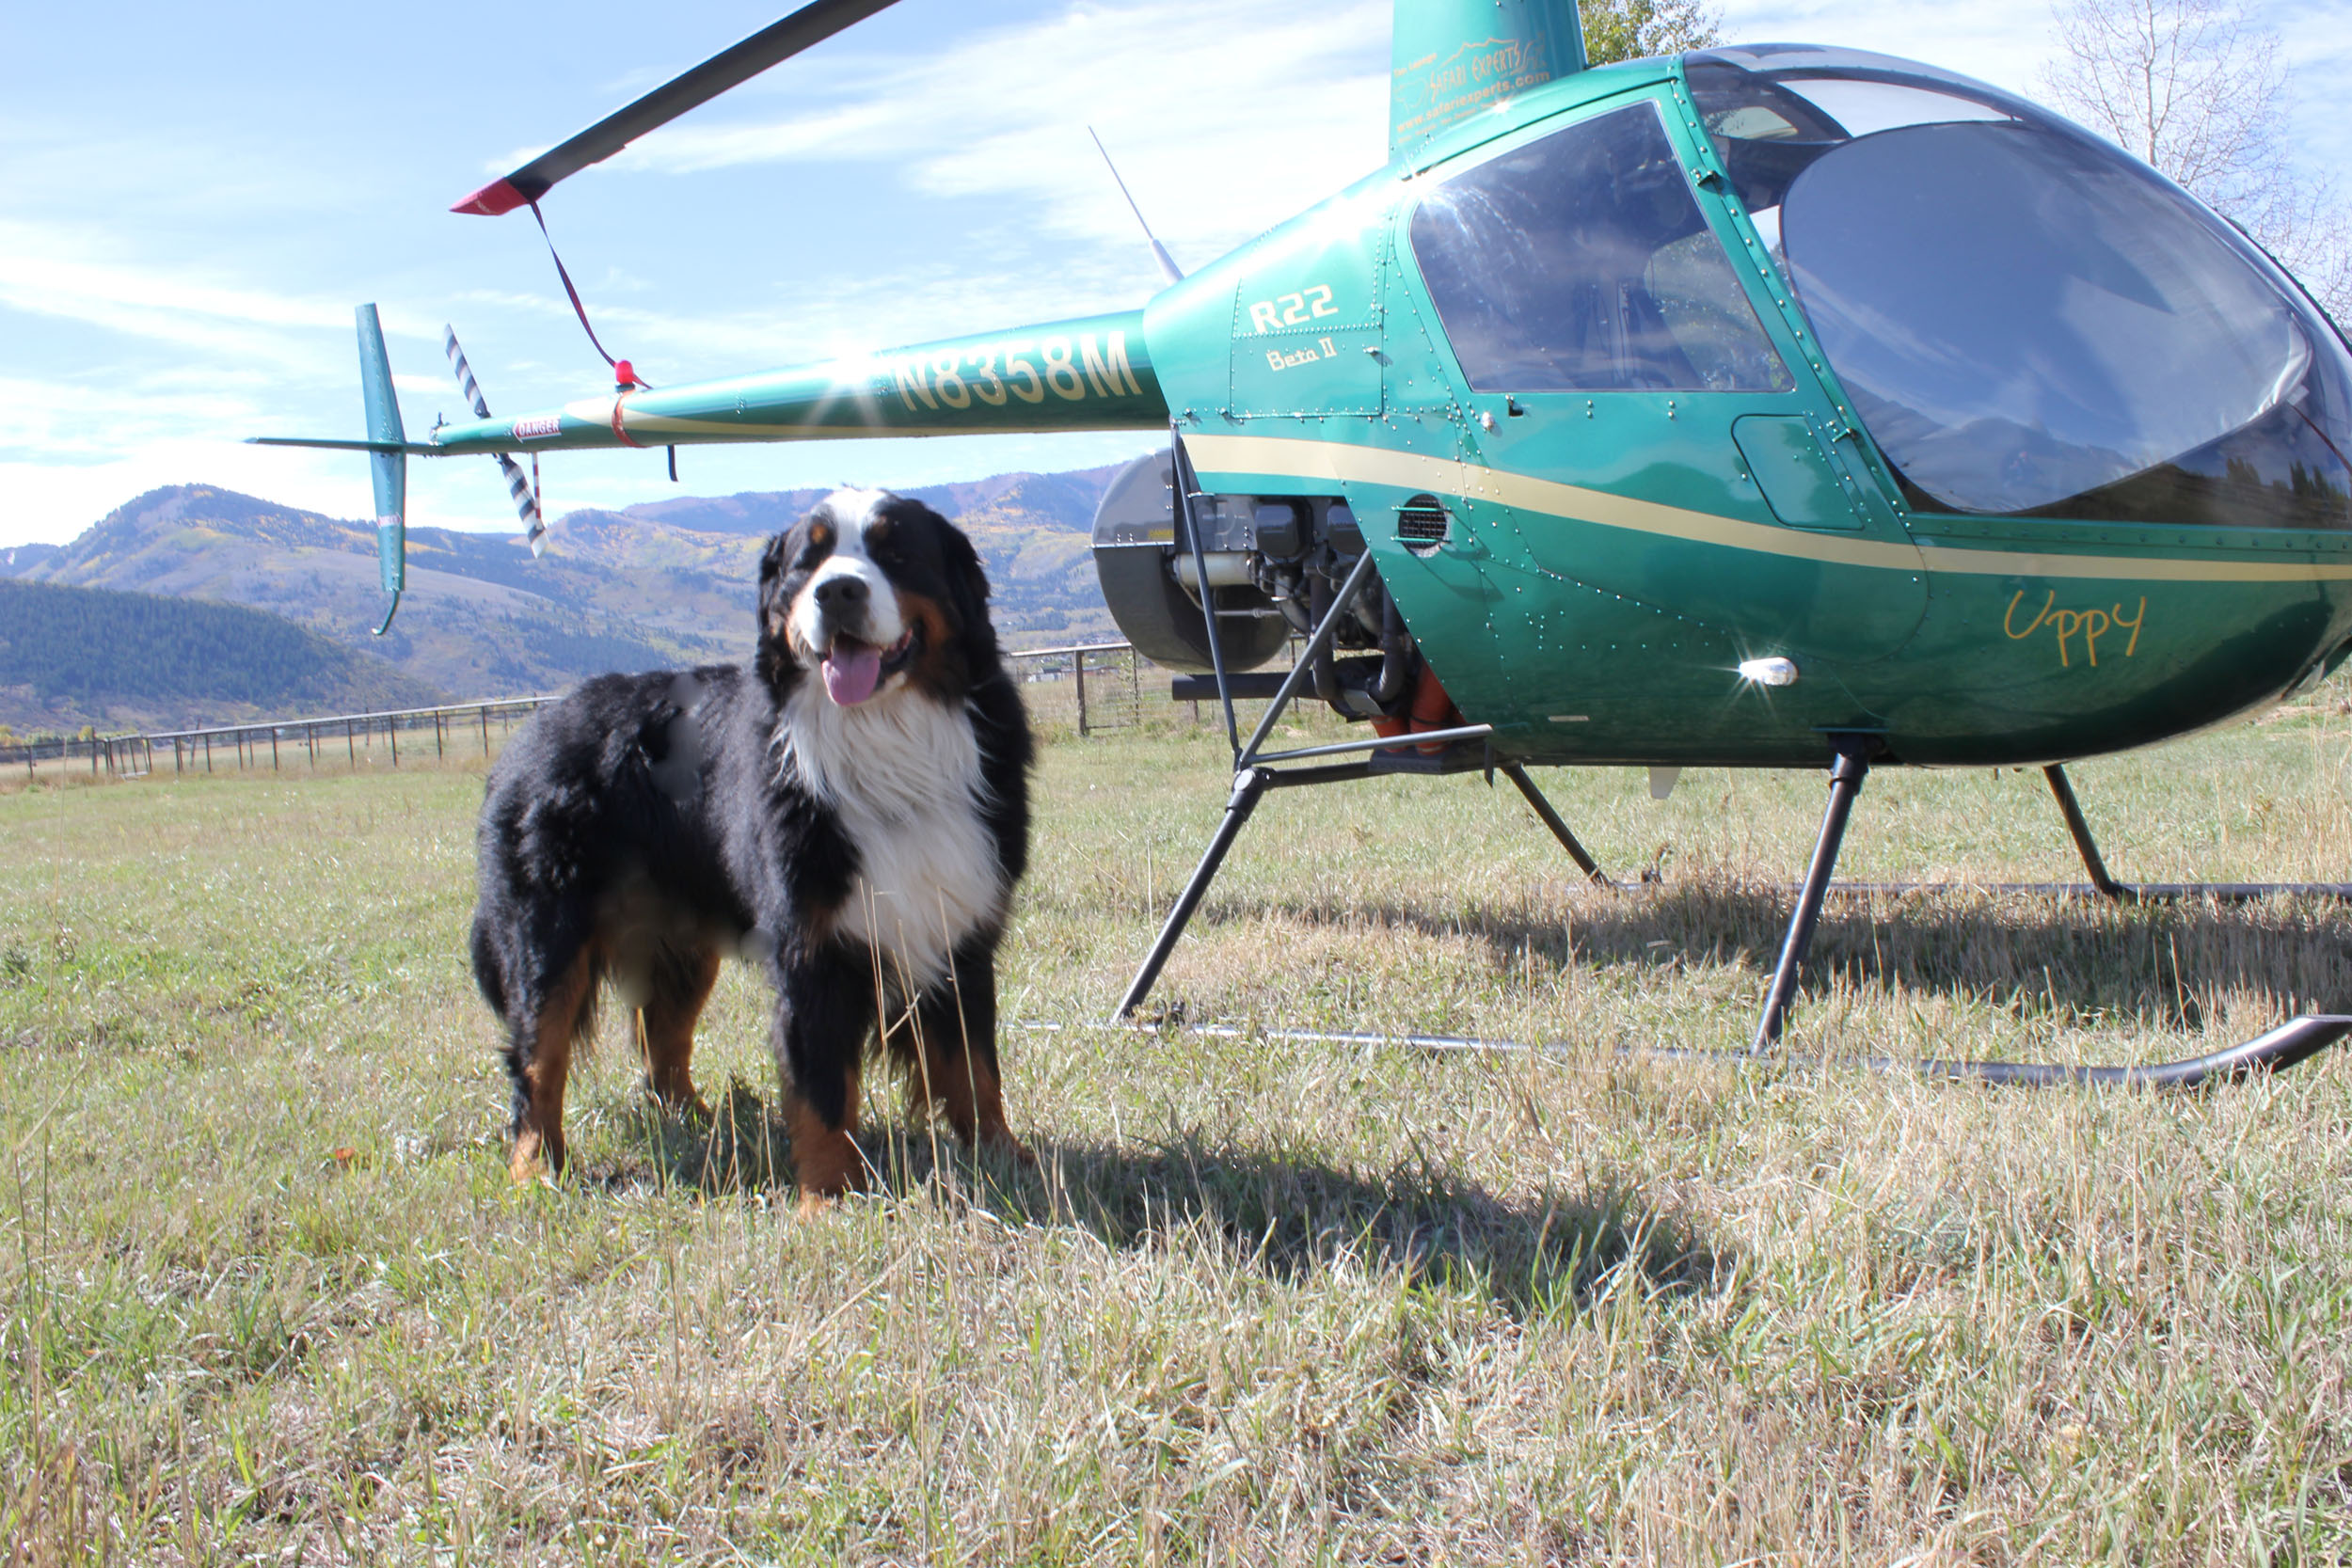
(265, 1290)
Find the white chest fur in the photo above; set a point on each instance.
(902, 772)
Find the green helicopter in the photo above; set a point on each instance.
(1772, 405)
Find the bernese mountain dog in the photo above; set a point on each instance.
(849, 811)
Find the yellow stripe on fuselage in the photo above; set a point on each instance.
(1338, 461)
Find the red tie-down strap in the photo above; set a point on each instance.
(623, 375)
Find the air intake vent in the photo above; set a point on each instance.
(1422, 525)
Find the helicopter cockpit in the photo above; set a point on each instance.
(2028, 322)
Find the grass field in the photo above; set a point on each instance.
(266, 1293)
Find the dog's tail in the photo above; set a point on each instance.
(489, 976)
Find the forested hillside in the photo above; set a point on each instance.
(70, 656)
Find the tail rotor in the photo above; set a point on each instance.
(526, 494)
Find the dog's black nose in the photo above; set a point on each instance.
(844, 592)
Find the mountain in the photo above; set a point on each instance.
(70, 656)
(665, 583)
(1034, 532)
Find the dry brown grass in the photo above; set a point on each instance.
(266, 1293)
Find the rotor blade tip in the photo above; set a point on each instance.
(499, 195)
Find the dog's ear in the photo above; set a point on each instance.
(772, 568)
(772, 660)
(967, 580)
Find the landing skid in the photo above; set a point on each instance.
(1255, 773)
(2276, 1050)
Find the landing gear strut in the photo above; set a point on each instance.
(2276, 1050)
(1255, 775)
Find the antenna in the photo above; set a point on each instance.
(1169, 269)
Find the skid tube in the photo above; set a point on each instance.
(2297, 1040)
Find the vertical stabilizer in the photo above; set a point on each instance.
(1454, 58)
(391, 468)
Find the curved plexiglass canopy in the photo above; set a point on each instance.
(2027, 320)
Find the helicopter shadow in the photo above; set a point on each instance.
(2072, 957)
(1286, 1217)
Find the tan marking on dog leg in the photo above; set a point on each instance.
(539, 1148)
(826, 1162)
(994, 1132)
(669, 1036)
(950, 1079)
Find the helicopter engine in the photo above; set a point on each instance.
(1274, 564)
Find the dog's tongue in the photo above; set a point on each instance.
(850, 673)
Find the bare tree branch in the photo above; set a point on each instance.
(2196, 90)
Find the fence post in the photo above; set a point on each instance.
(208, 751)
(439, 751)
(1078, 663)
(485, 713)
(350, 744)
(273, 747)
(391, 738)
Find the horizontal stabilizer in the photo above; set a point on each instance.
(421, 447)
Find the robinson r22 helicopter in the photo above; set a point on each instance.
(1766, 406)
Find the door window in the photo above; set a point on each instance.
(1580, 262)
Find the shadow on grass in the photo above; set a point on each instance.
(2072, 957)
(1288, 1217)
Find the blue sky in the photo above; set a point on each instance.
(193, 198)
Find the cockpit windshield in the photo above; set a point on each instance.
(2027, 321)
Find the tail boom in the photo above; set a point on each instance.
(1090, 373)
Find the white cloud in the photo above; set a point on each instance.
(180, 289)
(1226, 118)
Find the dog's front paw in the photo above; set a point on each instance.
(998, 1140)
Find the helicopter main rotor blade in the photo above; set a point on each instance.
(811, 24)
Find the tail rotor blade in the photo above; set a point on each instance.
(465, 372)
(526, 504)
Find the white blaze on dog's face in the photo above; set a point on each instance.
(846, 620)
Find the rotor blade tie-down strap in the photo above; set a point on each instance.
(577, 309)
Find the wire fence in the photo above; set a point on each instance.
(462, 727)
(1091, 688)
